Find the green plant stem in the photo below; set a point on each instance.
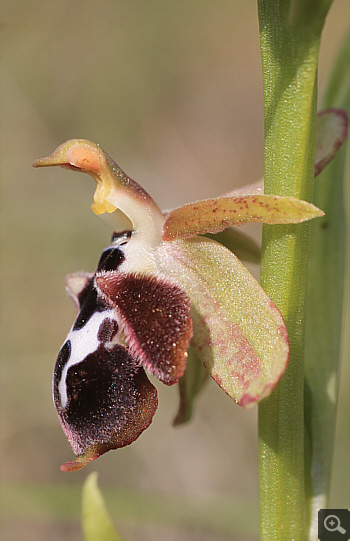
(289, 36)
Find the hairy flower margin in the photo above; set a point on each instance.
(160, 287)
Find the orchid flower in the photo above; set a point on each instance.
(160, 291)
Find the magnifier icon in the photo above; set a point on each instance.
(332, 524)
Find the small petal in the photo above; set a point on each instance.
(331, 133)
(155, 316)
(239, 334)
(110, 403)
(215, 215)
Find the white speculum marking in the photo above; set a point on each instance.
(83, 341)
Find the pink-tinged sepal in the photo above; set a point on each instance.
(155, 316)
(109, 402)
(238, 333)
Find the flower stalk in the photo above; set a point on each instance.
(289, 36)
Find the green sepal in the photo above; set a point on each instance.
(189, 386)
(243, 246)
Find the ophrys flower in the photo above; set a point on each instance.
(158, 288)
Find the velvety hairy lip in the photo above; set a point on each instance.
(155, 315)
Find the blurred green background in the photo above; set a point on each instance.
(173, 92)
